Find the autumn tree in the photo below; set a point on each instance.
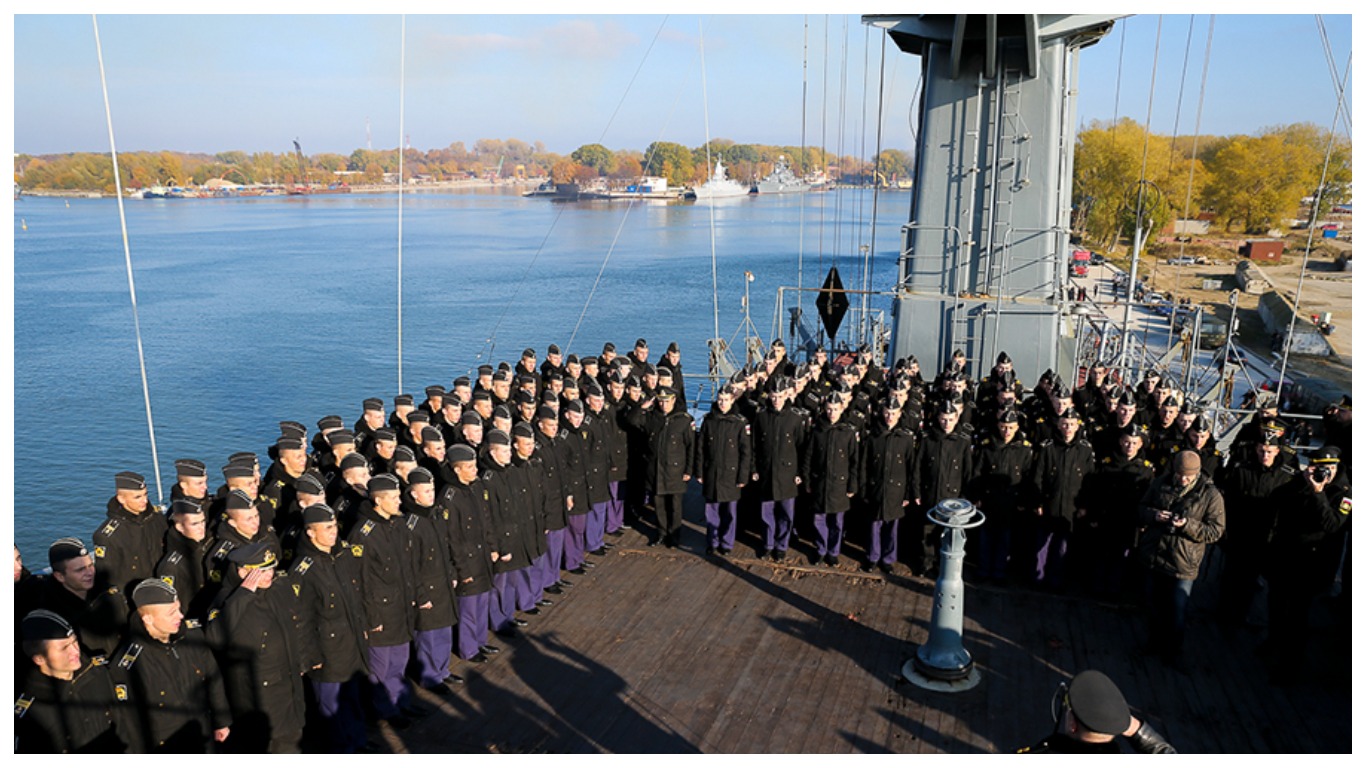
(670, 160)
(594, 156)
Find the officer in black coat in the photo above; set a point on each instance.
(241, 526)
(256, 634)
(780, 431)
(100, 616)
(1107, 514)
(388, 584)
(888, 455)
(724, 463)
(474, 549)
(1001, 486)
(130, 541)
(942, 468)
(597, 467)
(1093, 717)
(66, 702)
(175, 689)
(830, 466)
(432, 628)
(332, 628)
(1062, 465)
(1248, 486)
(669, 446)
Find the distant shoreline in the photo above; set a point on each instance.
(430, 186)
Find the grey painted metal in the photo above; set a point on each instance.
(984, 257)
(943, 657)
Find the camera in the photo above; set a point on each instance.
(1319, 474)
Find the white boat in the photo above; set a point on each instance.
(718, 186)
(782, 180)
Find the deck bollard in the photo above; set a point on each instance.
(942, 663)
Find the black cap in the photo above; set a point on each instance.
(592, 389)
(573, 406)
(129, 481)
(1200, 424)
(65, 549)
(461, 452)
(485, 370)
(1009, 416)
(501, 412)
(641, 343)
(43, 624)
(482, 394)
(553, 349)
(238, 499)
(245, 458)
(372, 404)
(1002, 358)
(383, 482)
(504, 366)
(528, 352)
(237, 470)
(588, 360)
(293, 429)
(451, 401)
(943, 408)
(1097, 704)
(1061, 390)
(1170, 402)
(330, 422)
(571, 384)
(1069, 413)
(666, 393)
(1127, 397)
(341, 436)
(498, 437)
(546, 412)
(312, 484)
(609, 347)
(470, 418)
(353, 461)
(1189, 407)
(673, 347)
(1270, 437)
(503, 376)
(1134, 429)
(431, 435)
(182, 507)
(523, 429)
(435, 390)
(252, 556)
(153, 592)
(403, 400)
(1328, 454)
(420, 416)
(190, 468)
(404, 453)
(463, 381)
(524, 397)
(385, 433)
(289, 443)
(420, 476)
(315, 514)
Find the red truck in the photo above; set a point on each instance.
(1081, 263)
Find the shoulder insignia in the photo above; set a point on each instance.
(110, 527)
(213, 614)
(1106, 460)
(193, 623)
(367, 528)
(357, 550)
(1346, 506)
(486, 494)
(747, 429)
(223, 550)
(412, 522)
(170, 580)
(1147, 463)
(303, 565)
(22, 704)
(295, 585)
(130, 656)
(445, 514)
(173, 558)
(99, 661)
(1218, 452)
(112, 591)
(488, 475)
(99, 553)
(121, 692)
(1028, 444)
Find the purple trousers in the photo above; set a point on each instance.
(777, 516)
(502, 602)
(554, 557)
(526, 587)
(882, 542)
(597, 526)
(574, 541)
(387, 691)
(473, 626)
(829, 534)
(616, 508)
(340, 708)
(433, 650)
(1050, 553)
(721, 523)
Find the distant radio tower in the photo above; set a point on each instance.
(368, 145)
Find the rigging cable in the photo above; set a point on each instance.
(877, 166)
(825, 161)
(1138, 215)
(1195, 142)
(1181, 93)
(402, 74)
(711, 199)
(128, 259)
(806, 172)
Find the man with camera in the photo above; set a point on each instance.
(1313, 511)
(1184, 513)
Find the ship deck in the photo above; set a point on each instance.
(668, 651)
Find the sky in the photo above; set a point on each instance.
(256, 81)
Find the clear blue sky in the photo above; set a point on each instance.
(205, 83)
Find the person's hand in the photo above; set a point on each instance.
(1134, 725)
(850, 495)
(686, 478)
(220, 735)
(253, 579)
(799, 481)
(905, 503)
(1179, 522)
(427, 606)
(506, 558)
(1317, 485)
(754, 477)
(493, 557)
(1163, 515)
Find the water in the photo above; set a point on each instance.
(255, 310)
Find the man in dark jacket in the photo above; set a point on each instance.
(830, 465)
(66, 703)
(389, 588)
(332, 627)
(1062, 465)
(1184, 513)
(668, 460)
(780, 431)
(555, 496)
(465, 499)
(99, 616)
(888, 455)
(129, 542)
(1248, 486)
(597, 456)
(185, 565)
(1107, 513)
(432, 634)
(724, 464)
(941, 471)
(575, 439)
(1000, 487)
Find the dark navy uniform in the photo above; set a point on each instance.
(185, 567)
(332, 638)
(128, 546)
(1106, 535)
(175, 690)
(83, 715)
(941, 471)
(778, 439)
(724, 463)
(1058, 475)
(888, 456)
(1002, 487)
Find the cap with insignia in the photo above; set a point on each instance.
(666, 393)
(1170, 402)
(592, 389)
(1189, 407)
(386, 434)
(383, 482)
(245, 458)
(237, 471)
(129, 481)
(1009, 416)
(403, 400)
(420, 476)
(312, 484)
(588, 360)
(944, 408)
(1069, 413)
(1328, 454)
(43, 624)
(1061, 391)
(501, 412)
(574, 406)
(239, 500)
(1002, 358)
(153, 592)
(1127, 397)
(523, 429)
(1097, 704)
(673, 347)
(404, 453)
(504, 366)
(356, 461)
(471, 419)
(546, 412)
(1133, 429)
(421, 417)
(431, 435)
(503, 376)
(481, 395)
(254, 556)
(316, 514)
(1199, 424)
(485, 370)
(190, 468)
(330, 422)
(640, 344)
(571, 385)
(372, 404)
(340, 437)
(633, 381)
(182, 507)
(609, 347)
(528, 352)
(451, 401)
(553, 349)
(461, 452)
(435, 391)
(293, 428)
(289, 443)
(65, 549)
(463, 381)
(499, 437)
(524, 397)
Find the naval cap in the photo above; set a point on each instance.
(461, 452)
(482, 395)
(435, 391)
(254, 556)
(502, 412)
(420, 476)
(319, 514)
(503, 376)
(528, 352)
(419, 416)
(1199, 424)
(383, 482)
(129, 481)
(573, 406)
(471, 419)
(673, 347)
(329, 422)
(65, 549)
(1097, 704)
(372, 404)
(341, 437)
(485, 370)
(404, 453)
(289, 443)
(523, 429)
(1009, 416)
(353, 461)
(182, 507)
(498, 437)
(385, 434)
(462, 381)
(1328, 454)
(238, 500)
(43, 624)
(312, 484)
(237, 470)
(609, 347)
(553, 349)
(641, 343)
(293, 428)
(432, 435)
(546, 412)
(153, 592)
(403, 400)
(190, 468)
(1133, 429)
(1002, 358)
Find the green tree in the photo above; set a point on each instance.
(670, 160)
(595, 156)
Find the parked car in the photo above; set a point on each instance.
(1181, 261)
(1097, 259)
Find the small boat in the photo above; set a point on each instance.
(782, 180)
(718, 186)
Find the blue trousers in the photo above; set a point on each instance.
(829, 534)
(473, 626)
(721, 523)
(616, 508)
(502, 602)
(526, 587)
(554, 557)
(574, 541)
(882, 542)
(777, 516)
(433, 650)
(597, 526)
(387, 690)
(340, 708)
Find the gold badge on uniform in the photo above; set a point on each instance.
(22, 704)
(170, 581)
(1346, 506)
(99, 552)
(121, 692)
(296, 589)
(357, 549)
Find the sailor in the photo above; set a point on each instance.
(371, 419)
(175, 690)
(483, 380)
(1062, 464)
(508, 516)
(241, 526)
(502, 388)
(332, 627)
(525, 404)
(1164, 433)
(432, 405)
(389, 591)
(460, 388)
(341, 442)
(1104, 435)
(640, 358)
(668, 461)
(671, 361)
(574, 438)
(412, 438)
(528, 477)
(608, 356)
(1089, 399)
(100, 616)
(526, 365)
(941, 471)
(326, 425)
(553, 360)
(67, 702)
(1197, 438)
(1000, 487)
(256, 636)
(129, 542)
(888, 454)
(433, 450)
(398, 419)
(184, 565)
(191, 482)
(1094, 715)
(380, 449)
(597, 465)
(238, 476)
(1248, 487)
(1183, 513)
(432, 633)
(473, 551)
(482, 403)
(555, 498)
(403, 463)
(724, 462)
(780, 431)
(291, 462)
(1337, 430)
(1107, 514)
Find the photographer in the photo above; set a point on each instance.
(1313, 511)
(1094, 713)
(1183, 512)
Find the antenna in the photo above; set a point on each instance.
(368, 144)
